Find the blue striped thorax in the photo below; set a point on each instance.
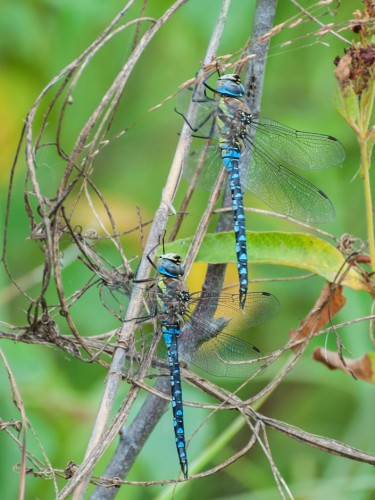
(233, 117)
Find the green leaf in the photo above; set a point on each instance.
(299, 250)
(347, 105)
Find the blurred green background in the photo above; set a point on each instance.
(60, 394)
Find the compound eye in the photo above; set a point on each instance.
(230, 88)
(170, 265)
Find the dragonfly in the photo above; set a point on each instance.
(184, 318)
(235, 133)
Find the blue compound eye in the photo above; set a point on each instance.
(170, 265)
(230, 85)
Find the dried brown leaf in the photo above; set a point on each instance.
(329, 303)
(361, 368)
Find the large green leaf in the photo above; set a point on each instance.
(287, 249)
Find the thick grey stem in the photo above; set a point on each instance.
(133, 438)
(263, 22)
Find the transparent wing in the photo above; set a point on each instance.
(206, 160)
(206, 164)
(220, 353)
(204, 122)
(228, 356)
(285, 191)
(304, 150)
(115, 298)
(258, 308)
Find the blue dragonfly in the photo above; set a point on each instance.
(184, 321)
(227, 121)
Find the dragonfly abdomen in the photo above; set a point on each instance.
(170, 334)
(231, 157)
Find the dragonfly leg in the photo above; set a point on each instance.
(151, 261)
(200, 125)
(152, 249)
(209, 87)
(142, 319)
(208, 77)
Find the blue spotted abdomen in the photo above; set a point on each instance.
(231, 157)
(170, 334)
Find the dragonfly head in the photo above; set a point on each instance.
(170, 264)
(230, 85)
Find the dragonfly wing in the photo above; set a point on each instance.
(220, 353)
(203, 123)
(304, 150)
(285, 191)
(115, 299)
(258, 308)
(207, 162)
(228, 356)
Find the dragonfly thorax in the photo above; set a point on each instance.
(246, 118)
(233, 122)
(173, 298)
